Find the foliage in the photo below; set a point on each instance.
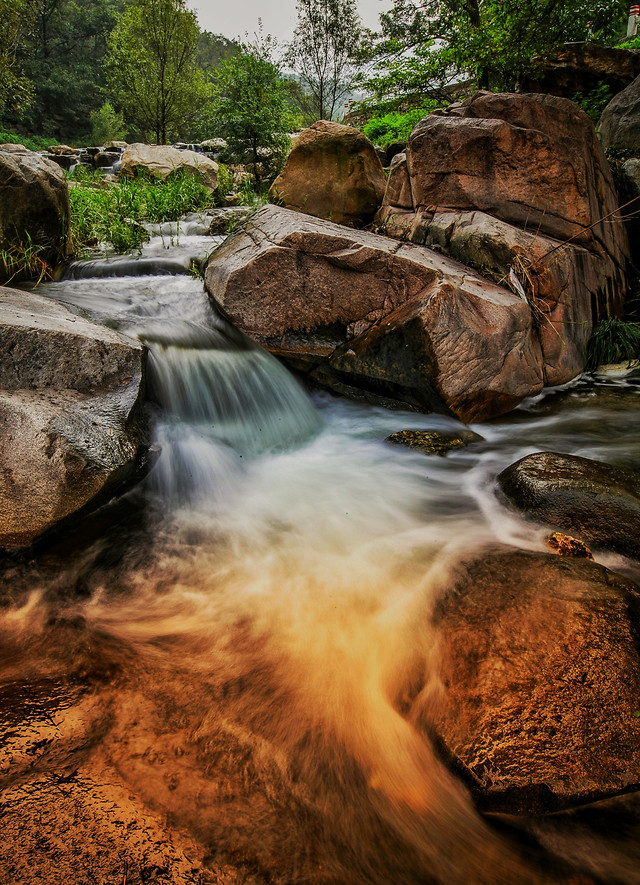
(251, 108)
(152, 70)
(107, 125)
(225, 181)
(33, 143)
(211, 49)
(428, 45)
(326, 40)
(114, 214)
(62, 54)
(16, 90)
(395, 125)
(595, 101)
(613, 341)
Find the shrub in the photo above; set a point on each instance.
(395, 125)
(594, 101)
(107, 125)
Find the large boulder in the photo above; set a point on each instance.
(367, 313)
(540, 671)
(160, 161)
(619, 125)
(524, 177)
(581, 68)
(332, 172)
(70, 414)
(591, 499)
(34, 207)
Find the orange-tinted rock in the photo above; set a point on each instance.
(565, 545)
(332, 172)
(541, 677)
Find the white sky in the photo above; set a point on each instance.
(234, 18)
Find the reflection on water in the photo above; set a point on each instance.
(229, 656)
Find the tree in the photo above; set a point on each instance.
(428, 44)
(325, 42)
(152, 70)
(16, 90)
(62, 56)
(251, 107)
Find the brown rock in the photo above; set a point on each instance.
(70, 410)
(34, 205)
(396, 320)
(161, 161)
(332, 172)
(581, 67)
(541, 677)
(503, 180)
(591, 499)
(433, 442)
(565, 545)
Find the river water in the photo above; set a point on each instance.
(223, 651)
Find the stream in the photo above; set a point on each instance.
(201, 681)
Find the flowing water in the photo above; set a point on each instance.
(212, 679)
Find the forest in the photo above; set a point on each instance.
(86, 71)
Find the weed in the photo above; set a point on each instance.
(613, 341)
(25, 259)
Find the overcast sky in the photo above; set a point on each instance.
(232, 18)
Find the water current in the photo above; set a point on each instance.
(211, 665)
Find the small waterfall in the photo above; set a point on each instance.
(221, 400)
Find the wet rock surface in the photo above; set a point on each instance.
(541, 679)
(433, 442)
(595, 501)
(363, 311)
(70, 404)
(332, 172)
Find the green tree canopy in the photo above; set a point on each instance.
(325, 42)
(251, 108)
(426, 45)
(16, 90)
(152, 68)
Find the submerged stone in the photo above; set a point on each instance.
(541, 681)
(433, 442)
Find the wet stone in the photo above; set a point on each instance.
(433, 442)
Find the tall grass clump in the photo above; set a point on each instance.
(613, 341)
(112, 215)
(25, 260)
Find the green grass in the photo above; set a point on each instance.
(113, 214)
(35, 143)
(25, 260)
(613, 341)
